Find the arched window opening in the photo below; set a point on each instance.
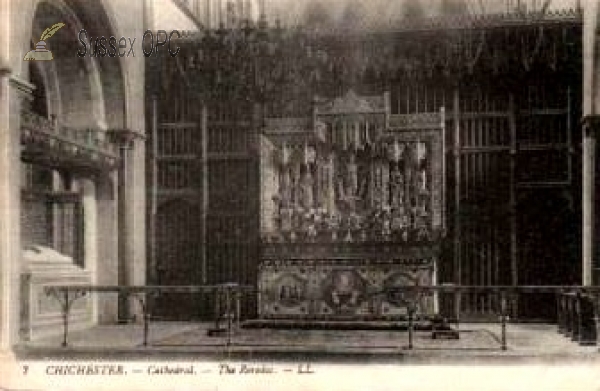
(51, 212)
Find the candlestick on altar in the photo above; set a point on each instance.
(285, 155)
(344, 137)
(395, 151)
(330, 185)
(306, 157)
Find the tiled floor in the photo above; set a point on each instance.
(525, 341)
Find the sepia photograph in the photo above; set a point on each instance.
(299, 195)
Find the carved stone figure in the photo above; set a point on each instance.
(329, 201)
(386, 225)
(422, 181)
(345, 290)
(352, 177)
(305, 188)
(400, 219)
(285, 189)
(286, 215)
(378, 192)
(397, 187)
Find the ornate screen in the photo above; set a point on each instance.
(351, 203)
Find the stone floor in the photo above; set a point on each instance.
(537, 357)
(537, 342)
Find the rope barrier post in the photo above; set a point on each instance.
(238, 308)
(503, 317)
(457, 305)
(66, 307)
(560, 315)
(411, 311)
(576, 317)
(588, 331)
(228, 289)
(568, 314)
(217, 308)
(142, 299)
(65, 299)
(61, 294)
(144, 303)
(146, 312)
(202, 303)
(596, 297)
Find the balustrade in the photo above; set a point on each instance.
(45, 140)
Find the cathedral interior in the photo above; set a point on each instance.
(330, 157)
(337, 157)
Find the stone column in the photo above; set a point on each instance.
(591, 115)
(131, 218)
(132, 205)
(591, 125)
(12, 92)
(123, 236)
(90, 234)
(135, 216)
(107, 242)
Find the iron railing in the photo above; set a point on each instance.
(227, 295)
(577, 307)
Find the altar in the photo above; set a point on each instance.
(351, 205)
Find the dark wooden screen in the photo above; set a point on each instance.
(483, 131)
(546, 189)
(174, 151)
(178, 257)
(512, 196)
(203, 176)
(232, 222)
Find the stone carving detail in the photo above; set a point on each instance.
(350, 179)
(344, 289)
(290, 290)
(350, 211)
(406, 277)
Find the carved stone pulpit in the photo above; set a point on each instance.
(351, 204)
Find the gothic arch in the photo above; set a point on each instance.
(96, 97)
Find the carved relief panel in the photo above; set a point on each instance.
(343, 289)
